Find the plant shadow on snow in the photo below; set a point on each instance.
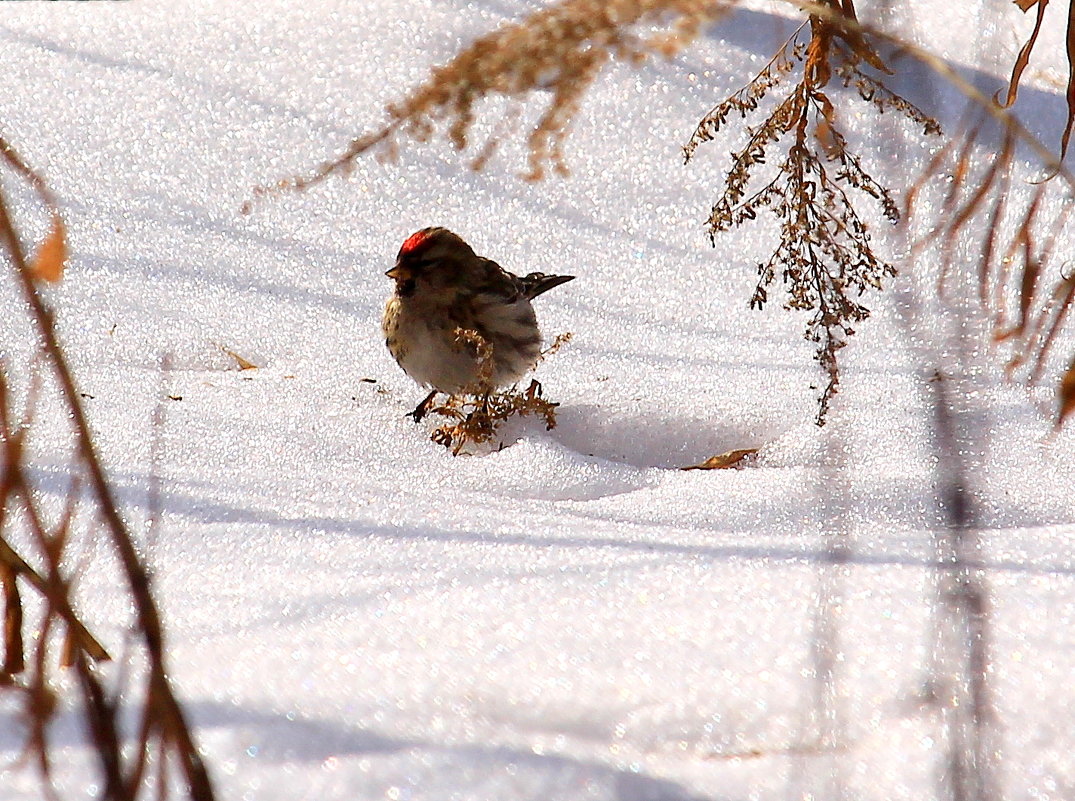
(898, 505)
(648, 439)
(237, 282)
(183, 78)
(259, 738)
(279, 737)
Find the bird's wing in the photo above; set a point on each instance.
(498, 281)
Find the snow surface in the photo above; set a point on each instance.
(355, 614)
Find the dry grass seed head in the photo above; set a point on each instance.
(559, 50)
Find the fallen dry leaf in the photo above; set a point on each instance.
(724, 460)
(50, 258)
(244, 364)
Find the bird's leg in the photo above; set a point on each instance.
(479, 413)
(422, 409)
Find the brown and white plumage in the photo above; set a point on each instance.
(445, 294)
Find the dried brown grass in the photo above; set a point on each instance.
(824, 255)
(558, 51)
(476, 420)
(47, 567)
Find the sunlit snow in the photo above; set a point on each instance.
(352, 613)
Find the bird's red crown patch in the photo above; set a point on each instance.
(414, 241)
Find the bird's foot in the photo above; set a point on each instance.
(422, 409)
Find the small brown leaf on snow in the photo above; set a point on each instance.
(50, 258)
(724, 460)
(244, 364)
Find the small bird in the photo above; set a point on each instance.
(458, 322)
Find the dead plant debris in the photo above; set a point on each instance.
(244, 364)
(559, 342)
(824, 255)
(133, 722)
(476, 419)
(49, 261)
(740, 457)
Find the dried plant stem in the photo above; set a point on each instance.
(824, 254)
(937, 64)
(476, 419)
(15, 566)
(161, 704)
(557, 51)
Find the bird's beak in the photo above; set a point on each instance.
(400, 273)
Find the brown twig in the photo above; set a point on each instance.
(170, 724)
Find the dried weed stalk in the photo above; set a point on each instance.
(481, 350)
(45, 567)
(1023, 281)
(1023, 59)
(1021, 273)
(557, 50)
(823, 255)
